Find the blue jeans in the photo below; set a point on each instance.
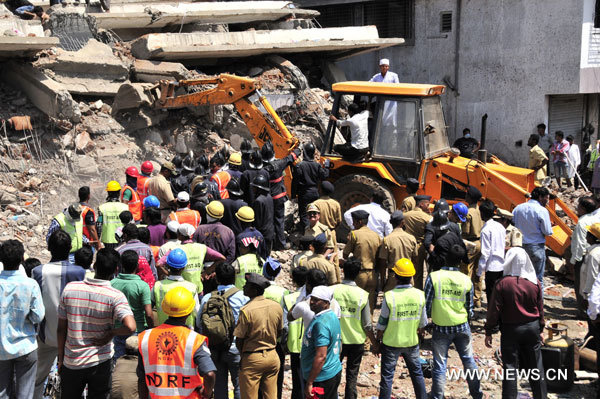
(440, 343)
(537, 254)
(24, 370)
(389, 358)
(227, 363)
(119, 345)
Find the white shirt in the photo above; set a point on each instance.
(589, 270)
(379, 218)
(390, 77)
(594, 300)
(579, 243)
(493, 237)
(574, 160)
(359, 129)
(302, 309)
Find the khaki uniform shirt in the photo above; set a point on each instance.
(318, 229)
(408, 204)
(415, 222)
(363, 243)
(471, 229)
(397, 245)
(331, 212)
(320, 262)
(536, 158)
(260, 324)
(514, 237)
(160, 187)
(298, 257)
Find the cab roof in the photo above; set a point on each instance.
(394, 89)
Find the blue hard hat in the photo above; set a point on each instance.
(461, 211)
(177, 259)
(151, 202)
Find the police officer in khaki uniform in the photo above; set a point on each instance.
(397, 245)
(364, 244)
(319, 260)
(471, 231)
(315, 227)
(259, 325)
(414, 224)
(331, 211)
(514, 237)
(409, 203)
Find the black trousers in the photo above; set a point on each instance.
(303, 201)
(490, 282)
(354, 353)
(279, 220)
(297, 381)
(522, 341)
(330, 387)
(346, 150)
(98, 379)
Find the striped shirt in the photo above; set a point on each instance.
(141, 249)
(52, 279)
(91, 307)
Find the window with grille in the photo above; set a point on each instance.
(392, 18)
(446, 21)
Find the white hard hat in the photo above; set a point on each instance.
(186, 230)
(384, 61)
(173, 226)
(183, 196)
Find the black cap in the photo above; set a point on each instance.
(474, 193)
(412, 183)
(360, 214)
(306, 239)
(397, 216)
(257, 279)
(327, 187)
(419, 198)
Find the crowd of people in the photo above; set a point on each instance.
(168, 289)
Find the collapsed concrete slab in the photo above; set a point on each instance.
(339, 43)
(49, 96)
(158, 15)
(19, 47)
(153, 71)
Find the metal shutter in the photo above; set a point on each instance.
(566, 114)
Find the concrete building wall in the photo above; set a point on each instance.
(512, 55)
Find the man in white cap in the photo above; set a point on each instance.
(171, 240)
(385, 76)
(184, 214)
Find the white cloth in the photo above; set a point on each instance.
(359, 129)
(594, 300)
(579, 244)
(390, 77)
(589, 270)
(518, 264)
(574, 160)
(379, 218)
(302, 309)
(493, 238)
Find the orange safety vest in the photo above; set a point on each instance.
(84, 211)
(135, 204)
(155, 250)
(168, 357)
(142, 186)
(188, 216)
(222, 178)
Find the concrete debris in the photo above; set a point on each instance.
(84, 143)
(100, 124)
(17, 47)
(132, 95)
(72, 26)
(153, 71)
(292, 73)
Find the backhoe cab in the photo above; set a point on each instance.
(408, 138)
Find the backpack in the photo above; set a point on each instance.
(217, 319)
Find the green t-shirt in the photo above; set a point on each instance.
(127, 195)
(137, 293)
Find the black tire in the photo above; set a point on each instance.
(357, 189)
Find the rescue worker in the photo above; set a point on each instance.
(248, 262)
(88, 216)
(184, 214)
(214, 234)
(255, 168)
(231, 205)
(143, 179)
(449, 303)
(160, 187)
(396, 245)
(199, 199)
(235, 164)
(276, 169)
(129, 194)
(315, 228)
(246, 150)
(471, 231)
(305, 251)
(245, 215)
(414, 224)
(306, 178)
(364, 243)
(176, 262)
(439, 226)
(220, 176)
(330, 210)
(514, 237)
(409, 203)
(108, 215)
(402, 316)
(319, 261)
(70, 221)
(170, 365)
(355, 322)
(263, 210)
(259, 325)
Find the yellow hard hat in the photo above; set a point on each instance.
(404, 268)
(235, 158)
(178, 302)
(594, 229)
(215, 209)
(113, 186)
(245, 214)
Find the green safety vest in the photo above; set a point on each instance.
(296, 327)
(195, 263)
(161, 288)
(406, 307)
(352, 301)
(248, 263)
(593, 157)
(450, 291)
(110, 220)
(275, 293)
(75, 231)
